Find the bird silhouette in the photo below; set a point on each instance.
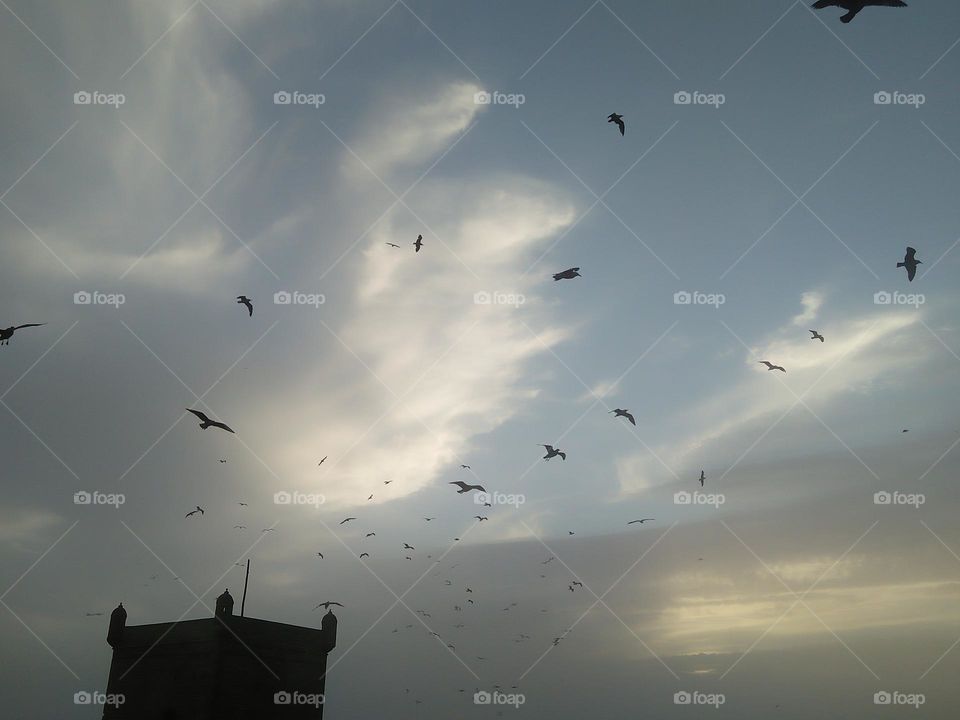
(244, 300)
(363, 555)
(347, 520)
(618, 119)
(567, 274)
(465, 467)
(464, 487)
(7, 333)
(552, 452)
(326, 605)
(703, 478)
(624, 413)
(640, 521)
(910, 262)
(480, 518)
(771, 366)
(407, 546)
(814, 335)
(194, 512)
(370, 534)
(320, 555)
(392, 245)
(321, 462)
(206, 422)
(418, 243)
(853, 7)
(429, 519)
(239, 527)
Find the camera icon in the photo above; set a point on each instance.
(882, 298)
(882, 698)
(682, 98)
(882, 98)
(682, 698)
(82, 97)
(682, 298)
(82, 498)
(282, 698)
(282, 298)
(82, 698)
(482, 98)
(282, 498)
(282, 97)
(682, 498)
(481, 298)
(82, 298)
(482, 698)
(882, 498)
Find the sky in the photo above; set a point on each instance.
(776, 164)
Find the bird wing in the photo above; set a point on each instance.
(911, 254)
(887, 3)
(563, 455)
(911, 271)
(17, 327)
(199, 414)
(629, 417)
(821, 4)
(222, 426)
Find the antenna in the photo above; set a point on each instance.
(243, 601)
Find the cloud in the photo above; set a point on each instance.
(812, 301)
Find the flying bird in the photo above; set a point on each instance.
(370, 534)
(910, 262)
(429, 519)
(222, 460)
(239, 527)
(464, 487)
(567, 274)
(363, 555)
(321, 462)
(392, 245)
(7, 333)
(244, 300)
(407, 546)
(194, 512)
(243, 504)
(703, 477)
(570, 532)
(480, 518)
(418, 243)
(465, 467)
(624, 413)
(853, 7)
(347, 520)
(552, 452)
(387, 482)
(206, 422)
(771, 366)
(618, 119)
(642, 521)
(814, 335)
(326, 605)
(320, 555)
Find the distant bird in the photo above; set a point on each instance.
(469, 590)
(346, 520)
(194, 512)
(480, 518)
(6, 334)
(387, 482)
(910, 262)
(239, 527)
(618, 119)
(703, 477)
(206, 422)
(905, 430)
(243, 504)
(418, 243)
(624, 413)
(321, 462)
(320, 555)
(814, 335)
(570, 532)
(392, 245)
(486, 504)
(548, 560)
(465, 467)
(326, 605)
(407, 546)
(570, 587)
(244, 300)
(222, 460)
(552, 452)
(371, 497)
(567, 274)
(575, 582)
(466, 488)
(429, 519)
(370, 534)
(853, 7)
(642, 521)
(363, 555)
(268, 530)
(771, 366)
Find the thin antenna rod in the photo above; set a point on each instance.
(246, 579)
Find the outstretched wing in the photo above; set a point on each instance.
(203, 418)
(887, 3)
(17, 327)
(821, 4)
(911, 254)
(222, 426)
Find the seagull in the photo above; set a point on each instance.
(551, 452)
(239, 527)
(363, 555)
(194, 512)
(206, 422)
(429, 519)
(320, 555)
(268, 530)
(618, 119)
(347, 520)
(418, 243)
(910, 262)
(570, 532)
(7, 333)
(466, 488)
(370, 534)
(771, 366)
(222, 460)
(814, 335)
(244, 300)
(326, 605)
(575, 582)
(626, 414)
(547, 560)
(465, 467)
(853, 7)
(392, 245)
(387, 482)
(567, 274)
(371, 497)
(243, 504)
(642, 521)
(479, 518)
(407, 546)
(703, 477)
(321, 462)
